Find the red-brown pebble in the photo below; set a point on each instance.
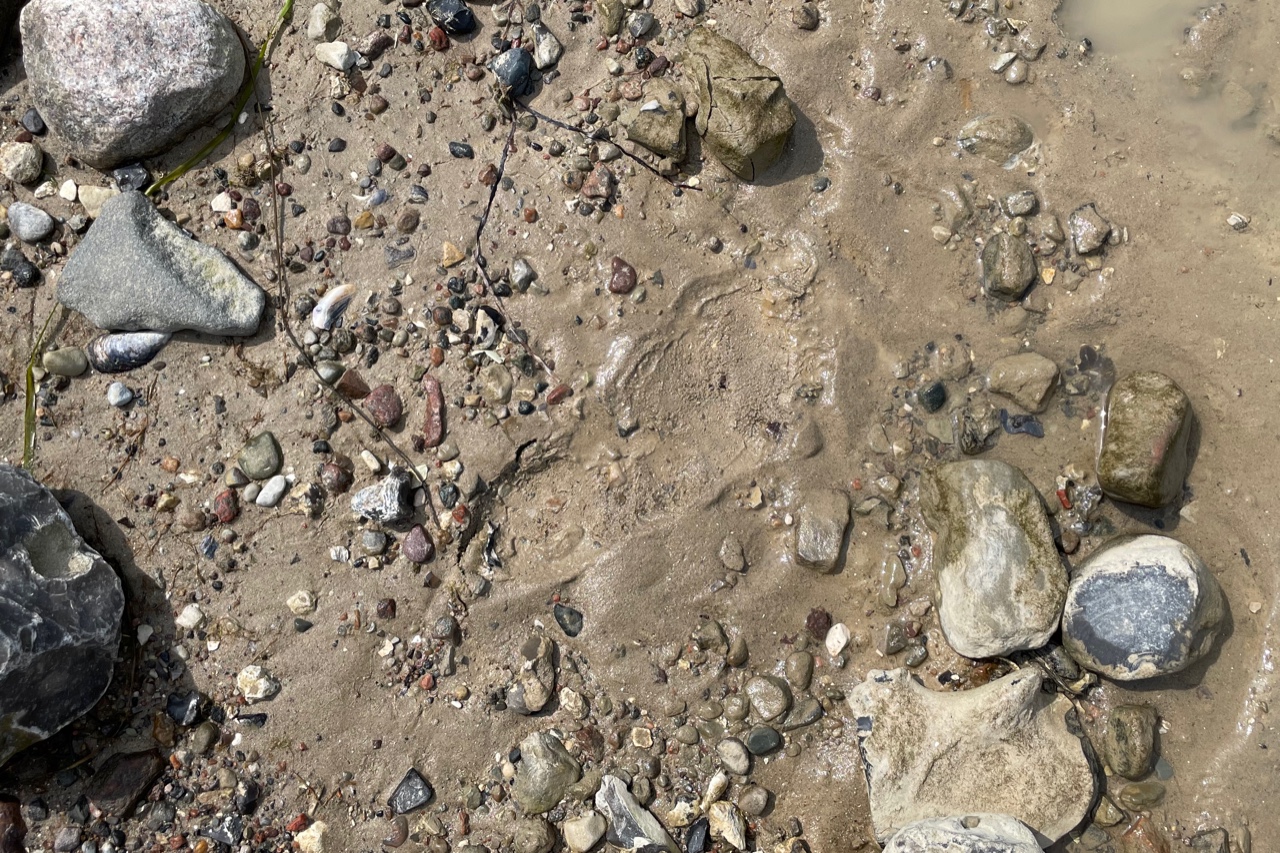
(623, 278)
(384, 406)
(386, 608)
(417, 546)
(335, 478)
(433, 426)
(558, 394)
(352, 385)
(226, 506)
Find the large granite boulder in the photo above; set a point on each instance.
(60, 611)
(136, 270)
(1143, 455)
(125, 79)
(1141, 606)
(1003, 748)
(744, 115)
(1001, 583)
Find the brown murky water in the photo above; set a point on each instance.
(784, 313)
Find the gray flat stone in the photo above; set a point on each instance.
(821, 523)
(137, 271)
(545, 772)
(60, 611)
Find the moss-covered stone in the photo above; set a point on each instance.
(1143, 455)
(744, 117)
(658, 123)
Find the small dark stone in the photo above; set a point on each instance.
(514, 70)
(337, 146)
(32, 121)
(449, 495)
(569, 619)
(462, 150)
(246, 796)
(452, 16)
(932, 397)
(122, 780)
(622, 277)
(698, 838)
(335, 478)
(184, 708)
(301, 625)
(762, 740)
(386, 608)
(339, 225)
(131, 177)
(411, 794)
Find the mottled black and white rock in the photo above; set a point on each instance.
(1001, 583)
(389, 501)
(453, 16)
(1143, 455)
(122, 80)
(545, 772)
(974, 833)
(631, 826)
(1003, 748)
(136, 271)
(411, 794)
(60, 610)
(1140, 607)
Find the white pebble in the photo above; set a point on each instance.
(190, 618)
(301, 603)
(336, 55)
(119, 395)
(256, 684)
(272, 491)
(370, 461)
(68, 190)
(837, 638)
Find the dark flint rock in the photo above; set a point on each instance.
(122, 780)
(184, 708)
(389, 501)
(1008, 267)
(514, 69)
(569, 619)
(452, 16)
(60, 610)
(631, 826)
(411, 794)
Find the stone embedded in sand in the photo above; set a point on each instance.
(389, 500)
(535, 681)
(1089, 231)
(971, 833)
(60, 611)
(658, 122)
(997, 138)
(122, 780)
(1008, 267)
(1128, 743)
(1140, 607)
(821, 523)
(412, 793)
(744, 115)
(1143, 455)
(1001, 583)
(545, 773)
(122, 80)
(1003, 748)
(631, 826)
(1027, 379)
(136, 270)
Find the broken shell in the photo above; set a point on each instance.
(330, 307)
(118, 353)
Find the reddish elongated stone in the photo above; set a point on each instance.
(433, 425)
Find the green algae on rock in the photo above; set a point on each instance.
(1143, 455)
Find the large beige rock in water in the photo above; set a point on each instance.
(1003, 748)
(744, 117)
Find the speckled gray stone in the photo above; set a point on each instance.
(137, 271)
(985, 833)
(122, 80)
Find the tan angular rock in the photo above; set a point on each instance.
(744, 117)
(1003, 748)
(1026, 378)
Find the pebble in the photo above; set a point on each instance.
(1027, 379)
(336, 54)
(837, 639)
(569, 619)
(970, 834)
(301, 603)
(462, 150)
(822, 522)
(1128, 743)
(763, 740)
(119, 395)
(1008, 267)
(727, 823)
(384, 406)
(1140, 607)
(29, 223)
(622, 277)
(272, 491)
(769, 696)
(1088, 230)
(734, 756)
(256, 684)
(1143, 455)
(261, 457)
(389, 501)
(544, 774)
(25, 273)
(584, 832)
(630, 825)
(998, 138)
(799, 670)
(411, 794)
(753, 800)
(21, 162)
(546, 47)
(312, 839)
(533, 835)
(417, 546)
(32, 121)
(452, 16)
(65, 361)
(514, 70)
